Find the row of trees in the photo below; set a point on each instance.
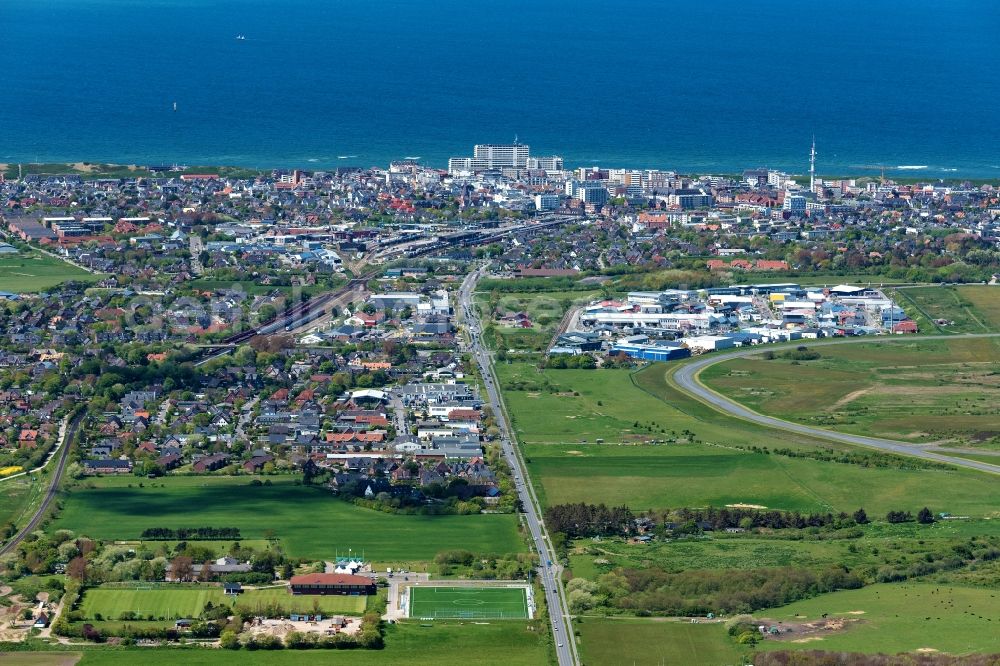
(852, 457)
(197, 533)
(924, 516)
(719, 518)
(587, 520)
(583, 520)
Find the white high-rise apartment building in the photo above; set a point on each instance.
(500, 155)
(549, 163)
(503, 156)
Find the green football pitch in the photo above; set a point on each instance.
(469, 602)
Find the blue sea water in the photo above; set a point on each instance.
(695, 86)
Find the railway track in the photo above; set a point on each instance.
(39, 515)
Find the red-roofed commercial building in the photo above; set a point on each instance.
(463, 414)
(323, 583)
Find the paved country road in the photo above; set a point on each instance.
(548, 569)
(63, 456)
(686, 379)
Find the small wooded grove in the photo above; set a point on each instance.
(190, 533)
(581, 520)
(720, 591)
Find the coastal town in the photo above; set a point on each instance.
(295, 330)
(508, 333)
(374, 386)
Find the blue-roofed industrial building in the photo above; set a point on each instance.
(652, 352)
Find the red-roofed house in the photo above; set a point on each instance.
(772, 265)
(348, 437)
(324, 583)
(28, 439)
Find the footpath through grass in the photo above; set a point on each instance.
(308, 521)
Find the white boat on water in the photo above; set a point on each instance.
(241, 37)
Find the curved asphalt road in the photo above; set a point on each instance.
(686, 378)
(74, 425)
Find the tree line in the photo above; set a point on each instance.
(184, 533)
(590, 520)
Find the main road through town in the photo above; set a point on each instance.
(686, 378)
(549, 569)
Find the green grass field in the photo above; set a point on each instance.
(899, 617)
(942, 391)
(544, 409)
(654, 642)
(308, 521)
(171, 602)
(559, 415)
(348, 605)
(510, 643)
(163, 602)
(963, 308)
(698, 475)
(31, 271)
(487, 602)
